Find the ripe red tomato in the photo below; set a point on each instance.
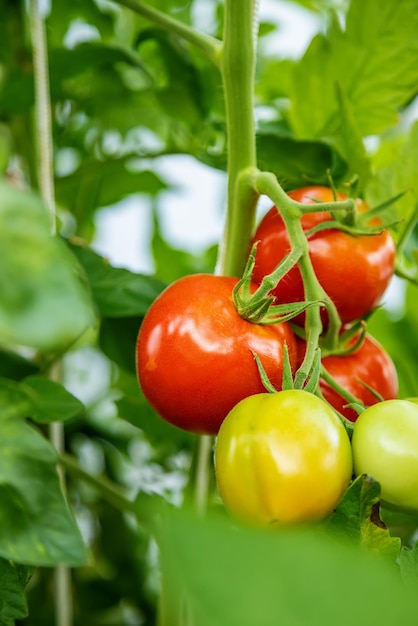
(354, 271)
(194, 353)
(371, 364)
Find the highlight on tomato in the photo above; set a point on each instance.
(385, 446)
(353, 270)
(195, 354)
(282, 458)
(368, 374)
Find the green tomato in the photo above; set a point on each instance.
(282, 458)
(385, 446)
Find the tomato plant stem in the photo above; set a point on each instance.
(207, 44)
(202, 479)
(237, 68)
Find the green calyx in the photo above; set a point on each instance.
(258, 306)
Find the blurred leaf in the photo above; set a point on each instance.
(374, 62)
(59, 19)
(15, 366)
(37, 525)
(118, 340)
(182, 99)
(357, 517)
(13, 580)
(236, 576)
(408, 563)
(102, 183)
(298, 163)
(51, 401)
(44, 301)
(117, 291)
(78, 73)
(134, 408)
(398, 175)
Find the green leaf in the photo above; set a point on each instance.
(236, 576)
(51, 401)
(374, 62)
(134, 408)
(117, 339)
(13, 580)
(117, 292)
(398, 175)
(298, 163)
(102, 183)
(408, 563)
(357, 517)
(15, 366)
(44, 301)
(37, 527)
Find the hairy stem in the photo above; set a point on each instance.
(238, 68)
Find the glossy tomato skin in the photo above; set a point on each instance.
(195, 353)
(385, 446)
(282, 458)
(370, 363)
(354, 271)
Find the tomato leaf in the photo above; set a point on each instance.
(374, 61)
(37, 525)
(408, 563)
(44, 299)
(357, 517)
(51, 401)
(117, 291)
(212, 564)
(13, 580)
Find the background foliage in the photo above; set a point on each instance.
(125, 93)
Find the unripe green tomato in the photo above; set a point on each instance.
(385, 446)
(282, 458)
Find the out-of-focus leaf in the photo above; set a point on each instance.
(357, 517)
(374, 61)
(44, 300)
(298, 163)
(397, 176)
(102, 183)
(117, 339)
(15, 366)
(13, 581)
(68, 11)
(117, 291)
(408, 563)
(134, 408)
(37, 525)
(51, 401)
(236, 576)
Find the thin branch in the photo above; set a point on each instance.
(206, 43)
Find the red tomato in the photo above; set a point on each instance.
(354, 271)
(194, 353)
(369, 364)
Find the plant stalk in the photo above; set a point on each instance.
(207, 44)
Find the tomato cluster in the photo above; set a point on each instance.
(285, 456)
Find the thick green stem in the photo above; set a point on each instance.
(238, 67)
(207, 44)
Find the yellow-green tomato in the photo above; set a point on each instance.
(385, 446)
(282, 458)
